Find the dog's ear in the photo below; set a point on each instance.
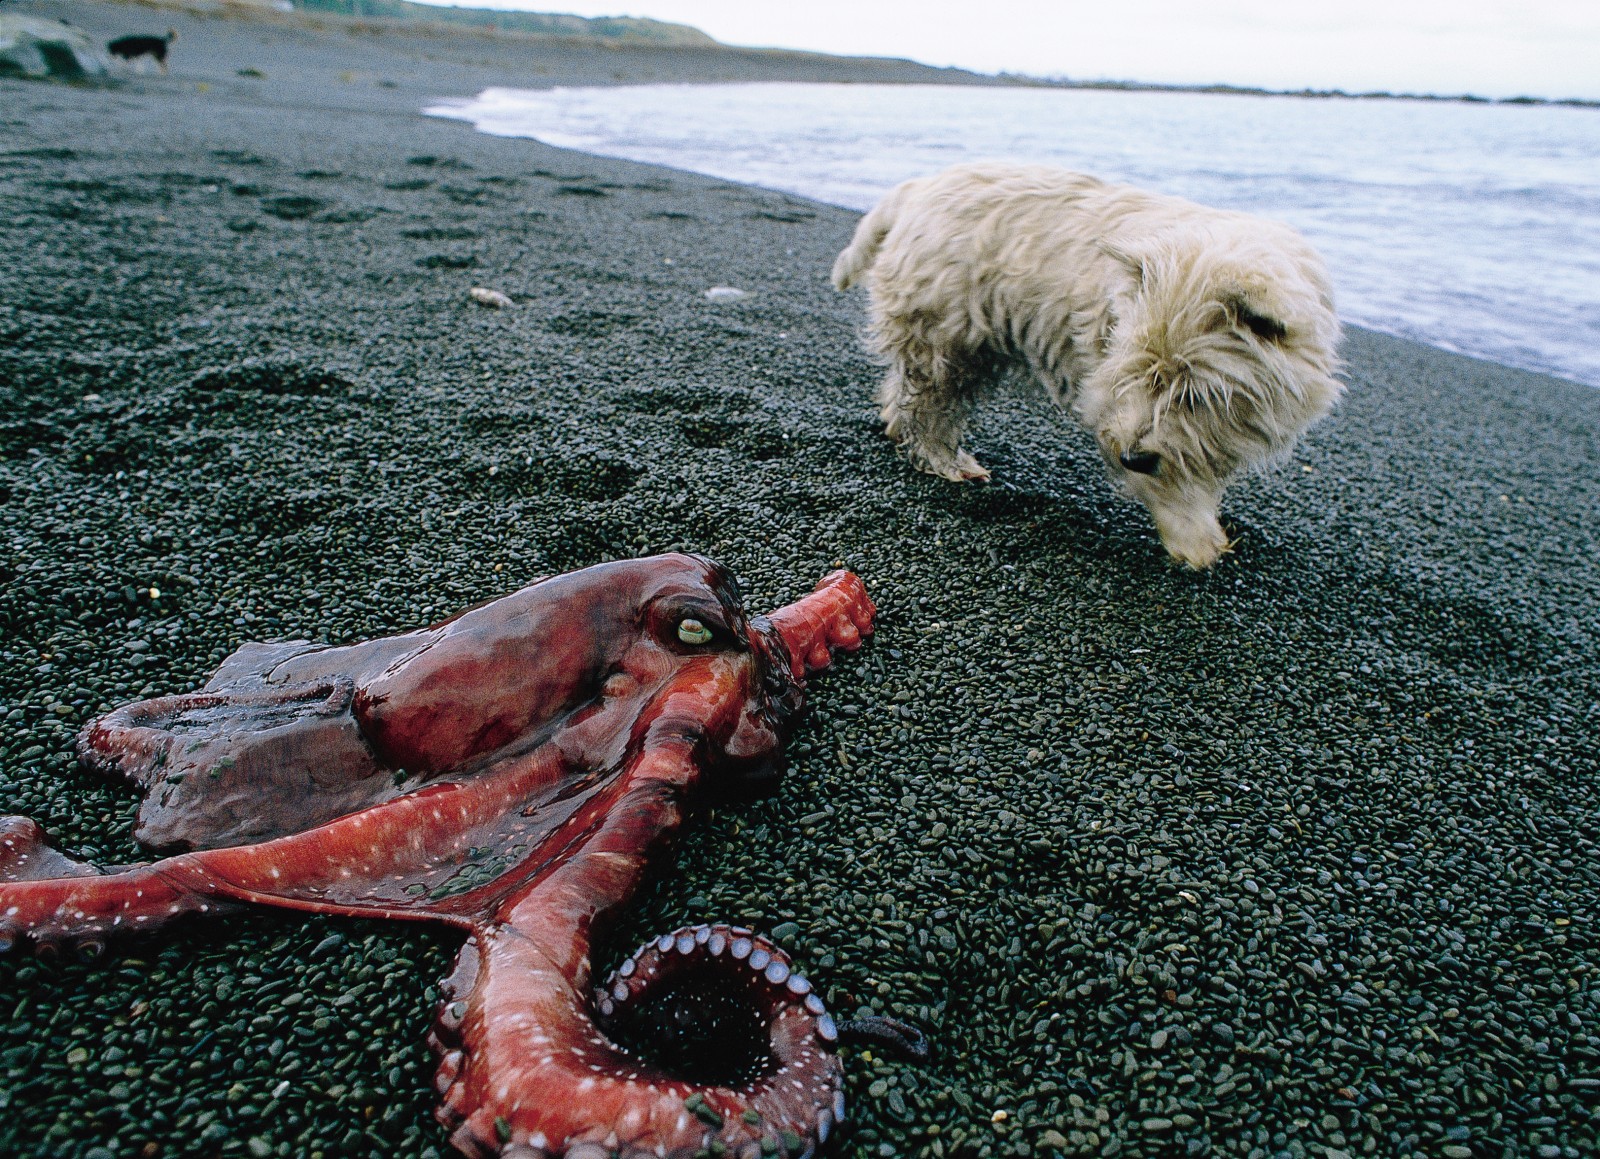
(1256, 317)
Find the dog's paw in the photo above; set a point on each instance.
(958, 468)
(954, 465)
(969, 469)
(1196, 542)
(1198, 555)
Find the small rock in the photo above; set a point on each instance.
(725, 294)
(47, 49)
(494, 299)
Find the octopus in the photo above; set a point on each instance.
(511, 772)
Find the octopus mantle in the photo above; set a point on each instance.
(510, 772)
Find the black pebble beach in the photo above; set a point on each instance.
(1295, 858)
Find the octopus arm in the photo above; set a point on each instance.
(835, 617)
(337, 868)
(559, 908)
(52, 900)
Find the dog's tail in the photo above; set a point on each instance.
(862, 251)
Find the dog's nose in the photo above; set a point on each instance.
(1140, 462)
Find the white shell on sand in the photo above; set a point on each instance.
(487, 297)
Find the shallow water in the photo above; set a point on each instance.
(1471, 227)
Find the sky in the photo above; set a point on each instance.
(1547, 48)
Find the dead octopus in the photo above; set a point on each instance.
(509, 772)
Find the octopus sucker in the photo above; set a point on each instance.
(510, 772)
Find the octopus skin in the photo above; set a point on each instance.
(511, 772)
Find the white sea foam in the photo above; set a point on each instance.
(1472, 227)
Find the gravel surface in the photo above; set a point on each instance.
(1294, 858)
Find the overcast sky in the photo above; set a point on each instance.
(1491, 47)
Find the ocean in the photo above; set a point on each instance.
(1474, 227)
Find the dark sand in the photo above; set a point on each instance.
(1295, 858)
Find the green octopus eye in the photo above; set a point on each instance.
(692, 631)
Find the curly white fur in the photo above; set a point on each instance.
(1195, 343)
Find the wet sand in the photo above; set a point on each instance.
(1294, 858)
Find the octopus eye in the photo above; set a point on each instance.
(692, 631)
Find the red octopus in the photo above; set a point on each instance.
(510, 772)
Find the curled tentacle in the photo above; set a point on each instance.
(706, 1039)
(725, 1006)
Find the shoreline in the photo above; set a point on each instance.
(1296, 856)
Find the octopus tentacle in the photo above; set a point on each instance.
(135, 740)
(81, 910)
(705, 1038)
(835, 617)
(727, 1003)
(25, 856)
(887, 1034)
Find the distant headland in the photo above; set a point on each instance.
(640, 31)
(630, 30)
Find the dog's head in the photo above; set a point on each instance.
(1222, 351)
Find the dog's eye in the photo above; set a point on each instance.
(1140, 462)
(692, 631)
(1263, 326)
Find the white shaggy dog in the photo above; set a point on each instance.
(1194, 343)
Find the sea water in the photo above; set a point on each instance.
(1474, 227)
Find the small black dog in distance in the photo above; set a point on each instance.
(131, 48)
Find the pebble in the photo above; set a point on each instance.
(484, 296)
(725, 294)
(327, 946)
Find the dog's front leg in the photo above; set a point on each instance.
(927, 415)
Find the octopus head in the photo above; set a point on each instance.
(723, 675)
